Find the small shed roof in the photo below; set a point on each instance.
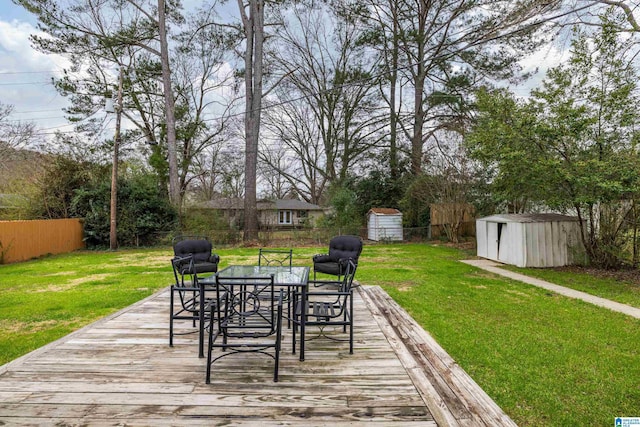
(384, 211)
(530, 217)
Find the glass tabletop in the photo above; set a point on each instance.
(283, 275)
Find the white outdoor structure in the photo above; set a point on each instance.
(384, 224)
(529, 240)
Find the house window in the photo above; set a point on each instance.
(302, 214)
(284, 217)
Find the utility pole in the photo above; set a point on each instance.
(113, 235)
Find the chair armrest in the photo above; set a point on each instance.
(344, 261)
(322, 258)
(179, 260)
(214, 258)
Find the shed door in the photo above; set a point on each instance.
(492, 240)
(495, 234)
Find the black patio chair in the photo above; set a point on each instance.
(341, 249)
(275, 257)
(325, 308)
(204, 261)
(248, 319)
(185, 295)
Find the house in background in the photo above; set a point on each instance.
(273, 214)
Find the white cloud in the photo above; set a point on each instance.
(25, 76)
(538, 63)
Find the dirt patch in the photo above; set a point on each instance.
(60, 273)
(73, 283)
(17, 327)
(518, 293)
(135, 260)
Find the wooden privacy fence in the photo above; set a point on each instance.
(22, 240)
(449, 214)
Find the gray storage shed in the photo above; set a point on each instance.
(384, 224)
(529, 240)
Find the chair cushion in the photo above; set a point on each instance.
(322, 258)
(343, 247)
(201, 267)
(328, 268)
(200, 249)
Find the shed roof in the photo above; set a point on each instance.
(385, 211)
(530, 217)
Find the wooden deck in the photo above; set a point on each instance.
(120, 371)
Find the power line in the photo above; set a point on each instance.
(34, 111)
(27, 72)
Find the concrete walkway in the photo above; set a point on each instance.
(494, 267)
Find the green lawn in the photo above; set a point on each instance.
(546, 360)
(625, 290)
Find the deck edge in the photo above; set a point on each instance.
(454, 376)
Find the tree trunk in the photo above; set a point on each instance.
(174, 185)
(113, 229)
(393, 118)
(254, 32)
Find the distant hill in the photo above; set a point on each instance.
(19, 168)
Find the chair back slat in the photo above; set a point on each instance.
(248, 307)
(275, 257)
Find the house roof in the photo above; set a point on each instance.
(299, 205)
(530, 217)
(280, 204)
(385, 211)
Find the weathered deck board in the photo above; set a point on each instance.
(451, 394)
(121, 371)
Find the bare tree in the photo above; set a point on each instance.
(274, 167)
(326, 108)
(200, 83)
(14, 135)
(298, 150)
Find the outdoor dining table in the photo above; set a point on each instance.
(289, 278)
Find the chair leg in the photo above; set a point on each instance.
(351, 324)
(171, 318)
(209, 349)
(278, 345)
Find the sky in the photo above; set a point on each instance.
(25, 74)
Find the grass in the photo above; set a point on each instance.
(545, 359)
(622, 287)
